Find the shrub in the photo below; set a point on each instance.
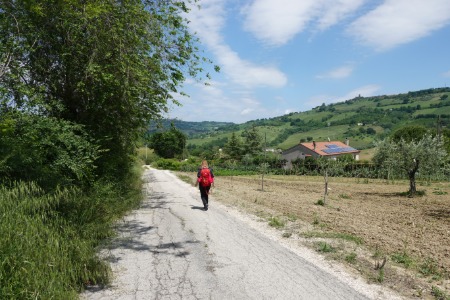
(46, 150)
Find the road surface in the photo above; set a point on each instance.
(170, 248)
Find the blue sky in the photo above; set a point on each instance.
(282, 56)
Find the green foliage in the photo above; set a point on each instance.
(234, 147)
(439, 294)
(109, 67)
(402, 258)
(48, 240)
(252, 141)
(46, 150)
(168, 144)
(351, 258)
(425, 155)
(276, 222)
(325, 247)
(167, 164)
(429, 267)
(409, 133)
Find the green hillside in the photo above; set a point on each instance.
(362, 120)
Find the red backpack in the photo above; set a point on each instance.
(205, 177)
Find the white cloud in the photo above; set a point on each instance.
(338, 73)
(446, 74)
(336, 11)
(364, 91)
(276, 22)
(207, 23)
(397, 22)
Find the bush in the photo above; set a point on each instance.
(46, 150)
(167, 164)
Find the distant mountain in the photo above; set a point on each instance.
(191, 129)
(362, 120)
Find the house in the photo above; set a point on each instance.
(330, 149)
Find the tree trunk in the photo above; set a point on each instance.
(412, 179)
(325, 175)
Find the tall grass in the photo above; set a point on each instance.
(48, 240)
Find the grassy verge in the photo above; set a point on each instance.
(48, 241)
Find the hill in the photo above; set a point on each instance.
(362, 120)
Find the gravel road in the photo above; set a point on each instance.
(170, 248)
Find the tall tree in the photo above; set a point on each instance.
(168, 144)
(234, 147)
(109, 65)
(252, 141)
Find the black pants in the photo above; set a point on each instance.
(204, 191)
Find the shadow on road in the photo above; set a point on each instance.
(197, 207)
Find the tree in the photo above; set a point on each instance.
(109, 65)
(409, 133)
(168, 144)
(425, 154)
(234, 147)
(328, 167)
(252, 141)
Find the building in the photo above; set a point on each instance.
(331, 149)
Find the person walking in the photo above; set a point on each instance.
(205, 179)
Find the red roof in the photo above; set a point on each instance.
(330, 148)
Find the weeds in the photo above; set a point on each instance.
(438, 294)
(437, 191)
(380, 277)
(350, 258)
(276, 222)
(316, 220)
(402, 258)
(430, 268)
(334, 235)
(287, 234)
(48, 241)
(344, 196)
(320, 202)
(325, 247)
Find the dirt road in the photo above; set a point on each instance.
(171, 249)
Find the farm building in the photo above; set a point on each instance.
(331, 150)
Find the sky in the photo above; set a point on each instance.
(283, 56)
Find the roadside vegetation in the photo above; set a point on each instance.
(78, 89)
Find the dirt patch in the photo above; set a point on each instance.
(362, 223)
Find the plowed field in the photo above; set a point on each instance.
(413, 234)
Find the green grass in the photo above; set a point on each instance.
(438, 294)
(276, 222)
(325, 247)
(48, 240)
(402, 258)
(350, 258)
(334, 235)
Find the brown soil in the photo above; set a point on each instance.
(388, 223)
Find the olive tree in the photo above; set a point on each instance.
(426, 155)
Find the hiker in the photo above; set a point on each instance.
(205, 178)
